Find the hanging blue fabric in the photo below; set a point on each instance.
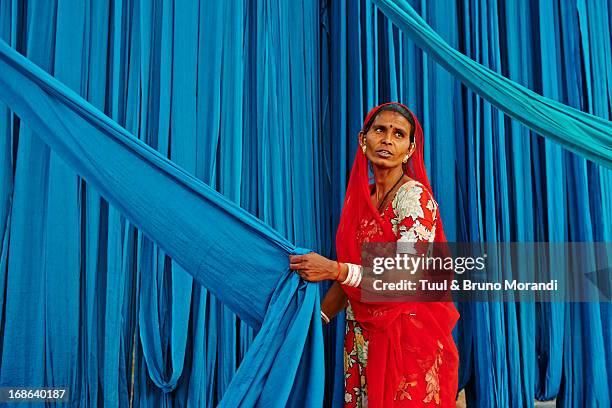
(580, 132)
(499, 195)
(285, 362)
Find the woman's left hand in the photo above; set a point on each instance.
(313, 267)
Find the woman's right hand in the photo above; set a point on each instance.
(313, 267)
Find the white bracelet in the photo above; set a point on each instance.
(324, 317)
(354, 275)
(348, 275)
(359, 275)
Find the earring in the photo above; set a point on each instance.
(409, 154)
(363, 148)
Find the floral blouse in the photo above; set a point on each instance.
(412, 215)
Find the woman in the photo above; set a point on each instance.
(395, 354)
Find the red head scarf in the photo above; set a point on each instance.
(357, 204)
(394, 328)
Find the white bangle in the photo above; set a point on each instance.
(349, 275)
(359, 273)
(324, 317)
(354, 275)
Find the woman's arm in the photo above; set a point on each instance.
(334, 301)
(315, 268)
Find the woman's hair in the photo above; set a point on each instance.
(392, 107)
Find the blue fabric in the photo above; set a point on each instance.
(248, 98)
(586, 134)
(265, 295)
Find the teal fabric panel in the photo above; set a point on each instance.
(173, 208)
(586, 134)
(205, 85)
(26, 205)
(133, 68)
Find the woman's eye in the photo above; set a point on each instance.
(378, 130)
(398, 134)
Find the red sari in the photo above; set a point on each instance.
(398, 354)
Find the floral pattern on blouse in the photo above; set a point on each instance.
(410, 205)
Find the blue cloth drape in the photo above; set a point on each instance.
(246, 97)
(175, 210)
(138, 74)
(588, 135)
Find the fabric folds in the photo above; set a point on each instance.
(149, 77)
(580, 132)
(196, 226)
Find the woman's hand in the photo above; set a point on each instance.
(313, 267)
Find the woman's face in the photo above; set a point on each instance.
(388, 140)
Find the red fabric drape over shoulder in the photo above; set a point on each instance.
(412, 358)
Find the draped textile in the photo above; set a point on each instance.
(138, 62)
(488, 192)
(548, 117)
(174, 209)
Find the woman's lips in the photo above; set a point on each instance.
(385, 154)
